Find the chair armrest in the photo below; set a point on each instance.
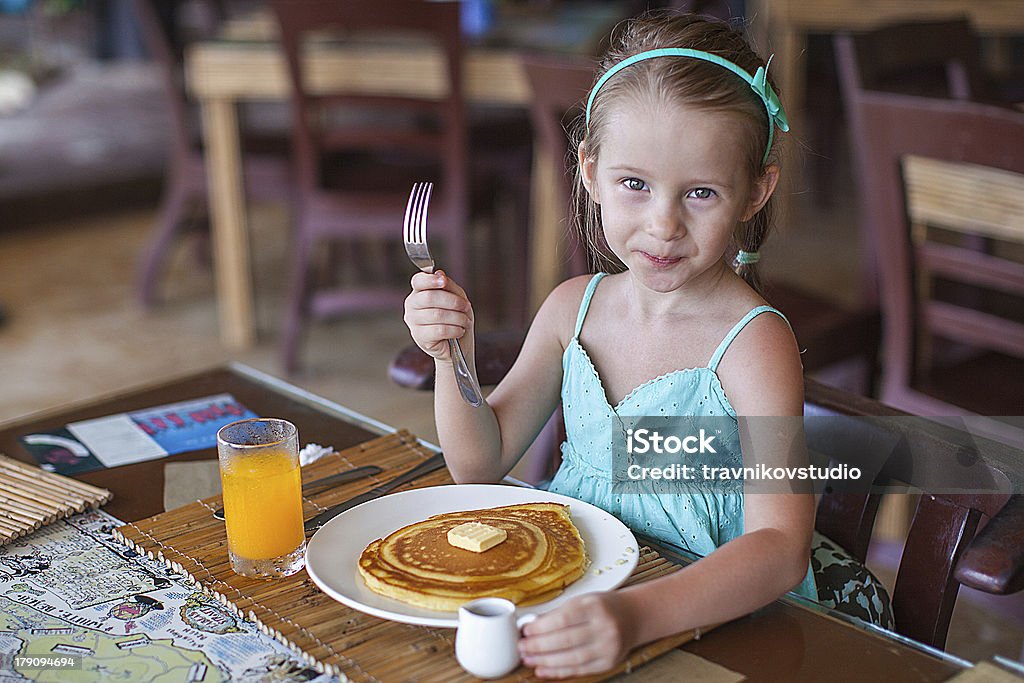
(994, 560)
(495, 354)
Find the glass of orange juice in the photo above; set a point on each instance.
(262, 483)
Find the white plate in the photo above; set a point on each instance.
(333, 553)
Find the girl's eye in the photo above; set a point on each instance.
(702, 193)
(635, 184)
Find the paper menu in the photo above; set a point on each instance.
(132, 437)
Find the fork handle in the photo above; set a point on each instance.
(468, 386)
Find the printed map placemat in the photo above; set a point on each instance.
(330, 636)
(78, 607)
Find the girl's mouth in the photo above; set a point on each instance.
(661, 261)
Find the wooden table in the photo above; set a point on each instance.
(782, 642)
(221, 74)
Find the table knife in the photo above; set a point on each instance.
(339, 478)
(435, 462)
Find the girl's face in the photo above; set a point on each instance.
(673, 184)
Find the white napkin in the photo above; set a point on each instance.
(312, 452)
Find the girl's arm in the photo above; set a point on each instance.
(483, 444)
(593, 632)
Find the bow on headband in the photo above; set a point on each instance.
(772, 104)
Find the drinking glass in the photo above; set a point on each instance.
(262, 483)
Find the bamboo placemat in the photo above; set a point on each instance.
(31, 498)
(328, 635)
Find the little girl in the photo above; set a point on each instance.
(676, 169)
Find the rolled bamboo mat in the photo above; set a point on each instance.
(326, 634)
(31, 498)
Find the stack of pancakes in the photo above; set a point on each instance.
(542, 554)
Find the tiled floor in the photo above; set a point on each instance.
(75, 330)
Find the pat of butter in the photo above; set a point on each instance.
(476, 536)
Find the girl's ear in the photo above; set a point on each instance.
(587, 173)
(762, 191)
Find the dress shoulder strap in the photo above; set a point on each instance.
(585, 304)
(736, 329)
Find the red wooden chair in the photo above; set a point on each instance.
(968, 527)
(266, 158)
(944, 174)
(938, 58)
(357, 155)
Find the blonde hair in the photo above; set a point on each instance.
(683, 81)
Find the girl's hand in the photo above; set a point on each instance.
(587, 635)
(437, 310)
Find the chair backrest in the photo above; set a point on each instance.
(927, 58)
(317, 125)
(559, 88)
(158, 37)
(942, 173)
(899, 449)
(939, 58)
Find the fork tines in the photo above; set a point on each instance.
(415, 225)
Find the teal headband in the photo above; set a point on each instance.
(758, 83)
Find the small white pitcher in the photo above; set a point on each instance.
(486, 643)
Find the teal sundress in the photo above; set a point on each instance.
(698, 521)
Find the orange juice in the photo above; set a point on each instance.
(263, 504)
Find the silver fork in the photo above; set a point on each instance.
(414, 234)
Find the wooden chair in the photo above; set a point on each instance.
(937, 58)
(357, 156)
(944, 174)
(266, 158)
(968, 527)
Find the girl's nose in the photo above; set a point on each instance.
(666, 222)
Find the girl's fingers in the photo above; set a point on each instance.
(436, 280)
(584, 656)
(438, 298)
(568, 642)
(555, 621)
(422, 281)
(554, 641)
(435, 311)
(449, 284)
(436, 316)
